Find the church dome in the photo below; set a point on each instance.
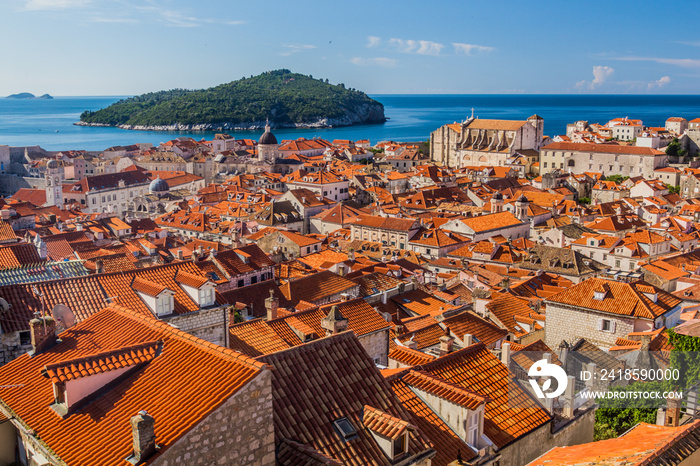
(158, 186)
(267, 137)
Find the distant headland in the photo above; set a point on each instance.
(28, 95)
(288, 100)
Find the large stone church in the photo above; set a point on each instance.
(482, 142)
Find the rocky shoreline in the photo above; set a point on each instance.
(247, 126)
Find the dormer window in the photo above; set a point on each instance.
(165, 304)
(198, 287)
(390, 433)
(206, 296)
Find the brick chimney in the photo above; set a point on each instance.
(144, 437)
(271, 304)
(43, 333)
(673, 412)
(446, 342)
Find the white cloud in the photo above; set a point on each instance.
(54, 4)
(295, 48)
(659, 83)
(373, 41)
(377, 61)
(600, 76)
(421, 47)
(467, 49)
(178, 19)
(682, 62)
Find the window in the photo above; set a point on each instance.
(206, 296)
(606, 325)
(240, 283)
(25, 338)
(345, 429)
(400, 445)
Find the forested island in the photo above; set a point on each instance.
(289, 100)
(28, 95)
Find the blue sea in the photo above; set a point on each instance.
(49, 123)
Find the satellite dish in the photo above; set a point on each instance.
(4, 305)
(65, 318)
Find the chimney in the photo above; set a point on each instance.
(568, 411)
(505, 354)
(351, 255)
(99, 266)
(180, 254)
(563, 353)
(144, 437)
(446, 342)
(212, 254)
(673, 411)
(78, 227)
(43, 333)
(271, 304)
(334, 322)
(468, 340)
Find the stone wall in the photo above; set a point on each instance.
(10, 347)
(239, 432)
(540, 441)
(377, 346)
(10, 184)
(208, 324)
(571, 324)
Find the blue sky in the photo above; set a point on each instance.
(125, 47)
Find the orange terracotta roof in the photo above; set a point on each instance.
(187, 369)
(470, 323)
(190, 279)
(622, 298)
(147, 286)
(445, 441)
(408, 356)
(329, 379)
(489, 222)
(102, 362)
(645, 444)
(513, 412)
(384, 424)
(444, 389)
(255, 338)
(315, 287)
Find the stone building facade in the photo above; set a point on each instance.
(477, 142)
(571, 323)
(601, 158)
(241, 431)
(210, 324)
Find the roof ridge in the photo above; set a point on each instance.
(180, 335)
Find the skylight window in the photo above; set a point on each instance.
(345, 429)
